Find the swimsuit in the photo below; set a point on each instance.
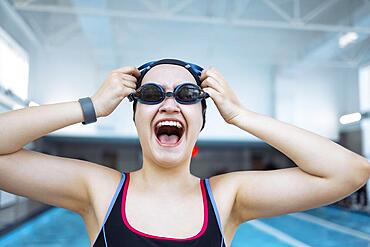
(116, 230)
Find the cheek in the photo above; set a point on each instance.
(193, 115)
(143, 116)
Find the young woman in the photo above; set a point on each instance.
(162, 204)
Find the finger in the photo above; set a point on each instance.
(203, 75)
(217, 76)
(214, 73)
(119, 81)
(214, 70)
(216, 96)
(130, 90)
(126, 92)
(126, 76)
(129, 70)
(130, 77)
(215, 79)
(206, 73)
(211, 82)
(129, 84)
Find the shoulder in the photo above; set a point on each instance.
(101, 183)
(226, 182)
(224, 189)
(98, 177)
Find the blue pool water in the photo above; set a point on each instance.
(326, 226)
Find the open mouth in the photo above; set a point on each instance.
(169, 133)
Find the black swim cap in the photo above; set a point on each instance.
(195, 70)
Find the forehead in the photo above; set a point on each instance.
(168, 75)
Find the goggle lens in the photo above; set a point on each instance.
(188, 93)
(152, 93)
(149, 93)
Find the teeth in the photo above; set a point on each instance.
(169, 123)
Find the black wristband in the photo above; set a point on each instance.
(87, 110)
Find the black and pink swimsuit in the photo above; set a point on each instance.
(116, 230)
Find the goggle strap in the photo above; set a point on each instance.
(205, 95)
(196, 70)
(145, 66)
(131, 97)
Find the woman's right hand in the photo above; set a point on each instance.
(119, 84)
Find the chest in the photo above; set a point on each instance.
(166, 216)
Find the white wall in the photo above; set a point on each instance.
(364, 91)
(314, 98)
(252, 85)
(64, 74)
(364, 107)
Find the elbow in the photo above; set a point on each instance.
(356, 176)
(367, 170)
(364, 173)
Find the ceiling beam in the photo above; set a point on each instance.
(8, 12)
(180, 6)
(362, 53)
(64, 33)
(242, 22)
(150, 6)
(297, 10)
(240, 7)
(318, 10)
(164, 6)
(302, 26)
(278, 10)
(25, 2)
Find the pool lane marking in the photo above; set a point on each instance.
(26, 228)
(331, 225)
(277, 233)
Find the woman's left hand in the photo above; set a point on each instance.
(221, 93)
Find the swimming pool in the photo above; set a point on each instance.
(326, 226)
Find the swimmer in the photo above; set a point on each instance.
(163, 204)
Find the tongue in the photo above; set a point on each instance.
(166, 139)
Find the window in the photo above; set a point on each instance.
(14, 66)
(364, 87)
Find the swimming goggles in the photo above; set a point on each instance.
(152, 93)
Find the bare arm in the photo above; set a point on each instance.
(50, 179)
(326, 172)
(314, 154)
(22, 126)
(58, 181)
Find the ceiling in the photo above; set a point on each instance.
(280, 33)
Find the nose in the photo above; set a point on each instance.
(169, 105)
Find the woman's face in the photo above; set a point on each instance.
(147, 118)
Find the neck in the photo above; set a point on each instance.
(166, 179)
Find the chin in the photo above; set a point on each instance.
(169, 158)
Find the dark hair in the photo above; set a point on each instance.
(176, 62)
